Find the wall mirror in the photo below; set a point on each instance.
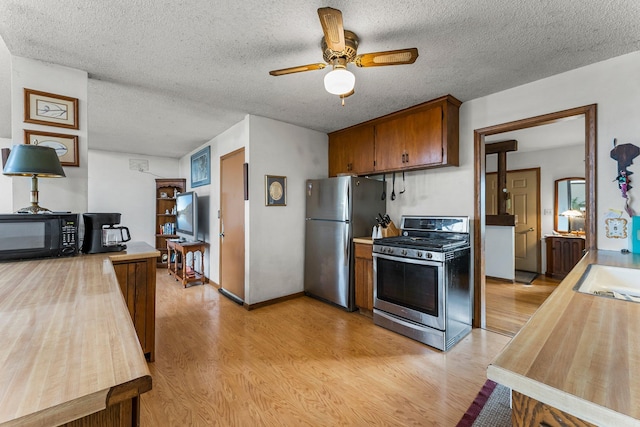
(571, 206)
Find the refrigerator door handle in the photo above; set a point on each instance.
(347, 243)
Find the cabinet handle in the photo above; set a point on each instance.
(403, 157)
(406, 156)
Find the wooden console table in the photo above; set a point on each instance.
(177, 265)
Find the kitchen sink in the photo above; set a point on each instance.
(610, 282)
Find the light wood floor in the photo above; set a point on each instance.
(510, 305)
(300, 363)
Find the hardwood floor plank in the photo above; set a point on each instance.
(510, 305)
(300, 362)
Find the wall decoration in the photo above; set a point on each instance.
(624, 155)
(50, 109)
(616, 228)
(66, 146)
(201, 167)
(275, 190)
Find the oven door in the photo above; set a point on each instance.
(411, 289)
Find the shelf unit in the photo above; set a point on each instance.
(166, 188)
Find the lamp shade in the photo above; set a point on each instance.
(572, 213)
(33, 160)
(339, 81)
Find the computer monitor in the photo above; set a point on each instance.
(187, 216)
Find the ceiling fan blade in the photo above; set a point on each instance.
(331, 21)
(390, 57)
(298, 69)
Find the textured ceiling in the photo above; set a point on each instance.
(167, 76)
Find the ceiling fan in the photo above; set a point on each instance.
(340, 47)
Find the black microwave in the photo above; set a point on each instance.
(27, 236)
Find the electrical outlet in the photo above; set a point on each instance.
(548, 211)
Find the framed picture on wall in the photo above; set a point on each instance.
(275, 190)
(66, 146)
(49, 109)
(201, 167)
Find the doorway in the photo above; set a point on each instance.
(232, 225)
(589, 113)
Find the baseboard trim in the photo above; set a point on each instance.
(273, 301)
(231, 296)
(500, 279)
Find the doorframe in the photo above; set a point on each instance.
(590, 129)
(538, 215)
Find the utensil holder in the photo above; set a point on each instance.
(390, 230)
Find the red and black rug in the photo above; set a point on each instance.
(490, 407)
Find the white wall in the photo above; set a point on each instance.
(6, 187)
(274, 236)
(277, 233)
(113, 187)
(612, 84)
(230, 140)
(59, 194)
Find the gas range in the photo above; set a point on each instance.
(421, 280)
(426, 237)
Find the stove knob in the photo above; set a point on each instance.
(429, 255)
(403, 252)
(419, 254)
(390, 250)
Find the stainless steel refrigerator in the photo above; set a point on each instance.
(338, 209)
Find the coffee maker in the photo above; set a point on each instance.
(101, 235)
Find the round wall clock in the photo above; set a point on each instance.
(616, 228)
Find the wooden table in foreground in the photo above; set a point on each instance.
(578, 357)
(69, 353)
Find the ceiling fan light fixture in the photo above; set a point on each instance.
(339, 81)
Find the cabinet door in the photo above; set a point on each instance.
(410, 141)
(351, 151)
(364, 276)
(137, 282)
(338, 155)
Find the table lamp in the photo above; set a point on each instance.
(571, 214)
(34, 161)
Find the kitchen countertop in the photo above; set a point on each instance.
(364, 240)
(67, 342)
(579, 353)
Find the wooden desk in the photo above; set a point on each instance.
(177, 265)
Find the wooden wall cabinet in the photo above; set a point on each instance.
(420, 137)
(165, 203)
(351, 151)
(563, 253)
(364, 277)
(137, 279)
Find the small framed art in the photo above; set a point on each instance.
(49, 109)
(201, 167)
(275, 190)
(66, 146)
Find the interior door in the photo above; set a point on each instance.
(523, 188)
(232, 224)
